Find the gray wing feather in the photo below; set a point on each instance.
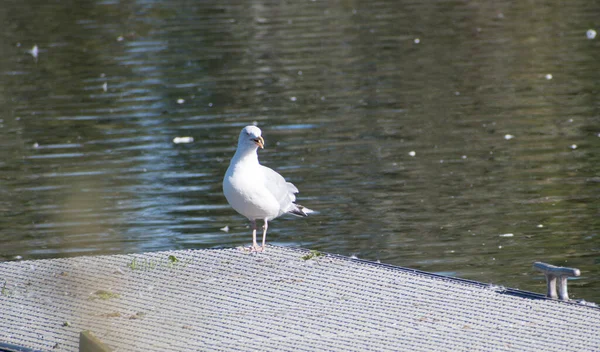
(282, 191)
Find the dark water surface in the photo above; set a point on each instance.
(455, 137)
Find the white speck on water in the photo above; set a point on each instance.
(323, 99)
(293, 98)
(573, 146)
(417, 40)
(499, 247)
(225, 229)
(210, 105)
(539, 226)
(120, 38)
(508, 137)
(412, 153)
(457, 93)
(548, 76)
(105, 86)
(354, 11)
(353, 256)
(590, 34)
(36, 145)
(442, 161)
(507, 235)
(570, 120)
(180, 101)
(34, 52)
(464, 157)
(180, 140)
(18, 257)
(299, 73)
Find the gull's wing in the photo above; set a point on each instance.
(280, 189)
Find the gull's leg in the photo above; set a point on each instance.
(255, 247)
(265, 227)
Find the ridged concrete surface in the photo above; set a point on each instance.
(230, 300)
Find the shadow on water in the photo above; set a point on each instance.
(458, 137)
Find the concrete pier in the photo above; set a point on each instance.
(282, 300)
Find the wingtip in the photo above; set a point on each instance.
(306, 211)
(301, 210)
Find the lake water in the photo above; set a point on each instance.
(456, 137)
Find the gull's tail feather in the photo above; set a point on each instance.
(300, 210)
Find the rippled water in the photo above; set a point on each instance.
(456, 137)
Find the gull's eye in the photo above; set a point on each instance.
(255, 140)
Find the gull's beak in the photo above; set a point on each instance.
(260, 142)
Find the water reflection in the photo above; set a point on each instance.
(391, 117)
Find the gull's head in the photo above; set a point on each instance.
(251, 137)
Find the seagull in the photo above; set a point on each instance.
(256, 191)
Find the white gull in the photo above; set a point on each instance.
(256, 191)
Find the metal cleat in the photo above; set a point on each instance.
(552, 273)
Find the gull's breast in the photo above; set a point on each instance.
(246, 193)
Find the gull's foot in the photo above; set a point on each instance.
(251, 249)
